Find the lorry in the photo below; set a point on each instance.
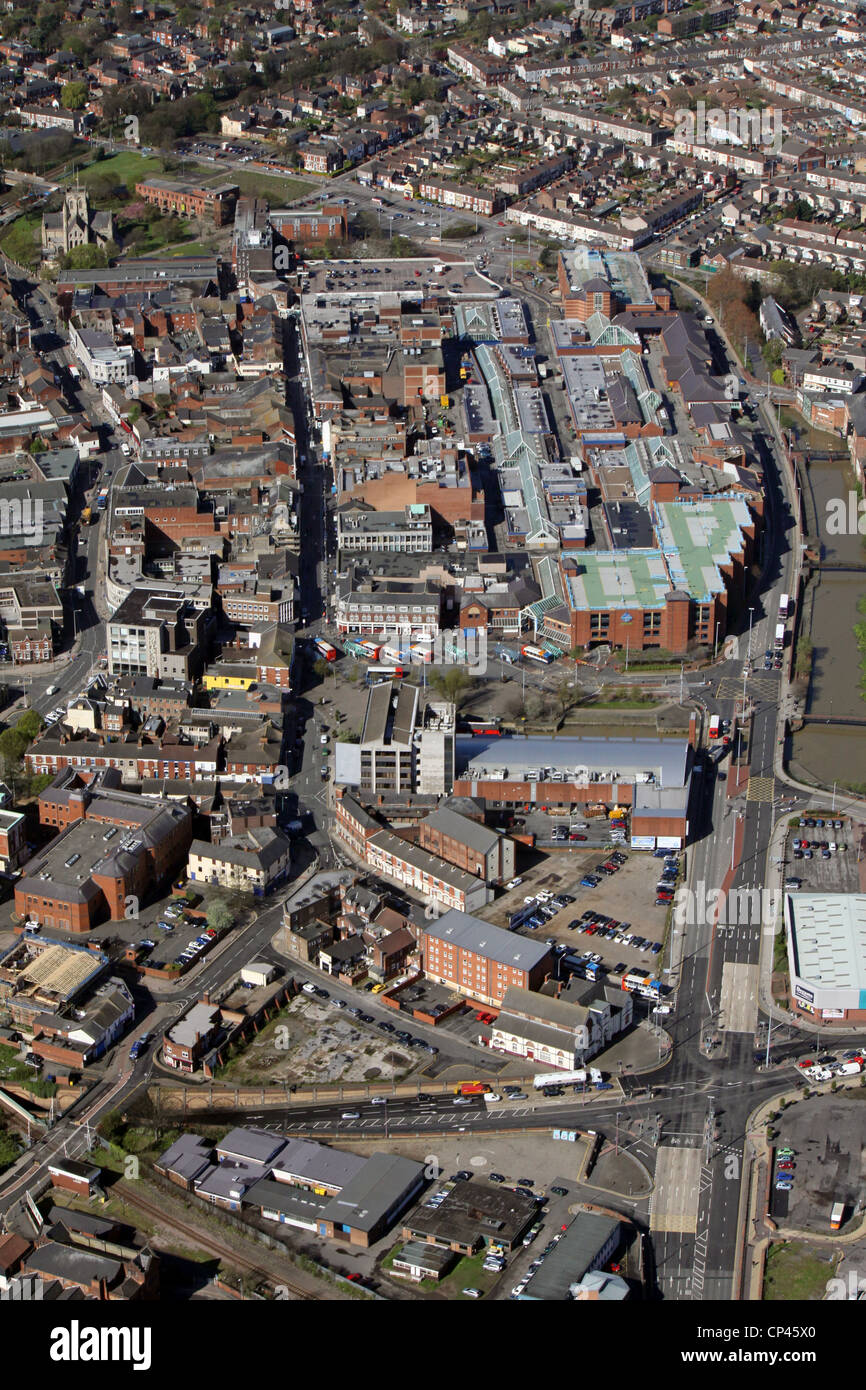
(836, 1215)
(715, 727)
(471, 1088)
(779, 642)
(567, 1078)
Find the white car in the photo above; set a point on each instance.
(544, 896)
(308, 989)
(52, 689)
(515, 883)
(492, 1097)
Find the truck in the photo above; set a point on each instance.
(779, 642)
(836, 1215)
(785, 606)
(471, 1088)
(85, 516)
(566, 1078)
(715, 726)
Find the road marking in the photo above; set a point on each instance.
(761, 789)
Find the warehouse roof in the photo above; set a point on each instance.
(829, 938)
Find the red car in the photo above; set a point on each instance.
(500, 224)
(355, 1277)
(480, 1018)
(807, 1062)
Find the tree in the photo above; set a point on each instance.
(348, 736)
(74, 95)
(452, 684)
(86, 257)
(111, 1127)
(219, 915)
(321, 667)
(30, 724)
(566, 694)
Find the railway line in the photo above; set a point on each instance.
(261, 1265)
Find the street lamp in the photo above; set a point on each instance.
(751, 611)
(716, 642)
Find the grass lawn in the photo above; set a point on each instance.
(271, 185)
(189, 248)
(128, 167)
(794, 1273)
(22, 240)
(466, 1274)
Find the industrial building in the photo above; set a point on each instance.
(651, 776)
(826, 938)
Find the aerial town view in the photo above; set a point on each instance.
(433, 661)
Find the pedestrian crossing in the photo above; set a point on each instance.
(761, 789)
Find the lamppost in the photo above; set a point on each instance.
(751, 611)
(716, 642)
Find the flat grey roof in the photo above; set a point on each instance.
(829, 938)
(474, 934)
(384, 1185)
(625, 758)
(573, 1257)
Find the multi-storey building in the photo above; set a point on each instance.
(481, 961)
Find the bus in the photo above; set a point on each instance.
(715, 726)
(421, 653)
(480, 728)
(325, 649)
(537, 654)
(785, 606)
(358, 650)
(376, 674)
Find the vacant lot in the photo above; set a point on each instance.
(795, 1272)
(312, 1042)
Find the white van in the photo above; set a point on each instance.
(52, 690)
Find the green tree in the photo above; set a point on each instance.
(86, 257)
(219, 915)
(74, 95)
(111, 1127)
(321, 668)
(30, 724)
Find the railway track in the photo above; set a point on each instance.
(262, 1265)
